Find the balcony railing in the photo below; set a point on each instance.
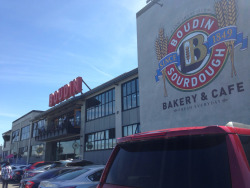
(55, 132)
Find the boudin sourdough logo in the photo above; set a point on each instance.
(197, 51)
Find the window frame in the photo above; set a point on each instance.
(100, 140)
(25, 135)
(105, 107)
(136, 131)
(128, 93)
(16, 136)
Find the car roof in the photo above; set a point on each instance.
(229, 128)
(94, 166)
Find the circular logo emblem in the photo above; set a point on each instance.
(39, 150)
(198, 64)
(75, 145)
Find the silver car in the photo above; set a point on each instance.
(87, 177)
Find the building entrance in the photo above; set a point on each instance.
(68, 150)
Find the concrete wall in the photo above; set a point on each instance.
(220, 98)
(107, 122)
(131, 116)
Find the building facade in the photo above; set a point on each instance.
(6, 145)
(21, 138)
(86, 126)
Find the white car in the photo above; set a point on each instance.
(86, 177)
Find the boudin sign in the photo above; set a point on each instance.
(65, 92)
(198, 51)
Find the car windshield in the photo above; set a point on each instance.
(197, 161)
(71, 175)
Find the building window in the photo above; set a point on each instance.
(15, 136)
(130, 94)
(100, 140)
(25, 134)
(100, 105)
(38, 127)
(131, 129)
(23, 152)
(37, 150)
(5, 154)
(71, 119)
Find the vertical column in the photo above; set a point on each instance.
(118, 111)
(82, 132)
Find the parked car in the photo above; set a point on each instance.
(61, 163)
(38, 164)
(80, 163)
(33, 182)
(86, 177)
(38, 170)
(193, 157)
(17, 172)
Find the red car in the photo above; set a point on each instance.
(193, 157)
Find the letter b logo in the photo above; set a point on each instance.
(192, 53)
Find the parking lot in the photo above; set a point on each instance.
(11, 185)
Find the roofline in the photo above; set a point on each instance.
(27, 114)
(9, 131)
(88, 93)
(110, 83)
(144, 9)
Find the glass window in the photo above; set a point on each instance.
(37, 150)
(68, 149)
(15, 136)
(245, 140)
(195, 160)
(25, 134)
(100, 140)
(131, 129)
(23, 152)
(130, 94)
(38, 127)
(100, 105)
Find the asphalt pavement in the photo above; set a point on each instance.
(11, 184)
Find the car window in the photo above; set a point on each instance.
(96, 176)
(197, 161)
(245, 140)
(71, 175)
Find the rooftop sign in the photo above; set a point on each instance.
(65, 92)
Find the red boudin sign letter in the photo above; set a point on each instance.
(65, 92)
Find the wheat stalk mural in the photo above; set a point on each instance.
(161, 49)
(226, 15)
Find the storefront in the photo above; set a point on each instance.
(59, 129)
(68, 149)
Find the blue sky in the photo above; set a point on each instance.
(45, 44)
